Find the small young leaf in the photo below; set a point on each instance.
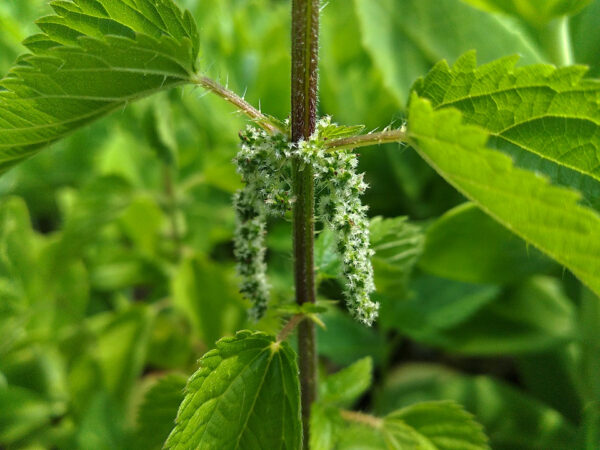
(245, 395)
(546, 216)
(92, 57)
(346, 386)
(442, 425)
(157, 413)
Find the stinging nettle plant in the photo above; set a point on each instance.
(469, 122)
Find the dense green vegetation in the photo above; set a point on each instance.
(117, 258)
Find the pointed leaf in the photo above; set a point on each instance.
(533, 317)
(437, 304)
(546, 216)
(244, 396)
(92, 57)
(547, 119)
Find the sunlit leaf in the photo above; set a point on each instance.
(547, 119)
(549, 217)
(91, 58)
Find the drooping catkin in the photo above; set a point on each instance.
(264, 162)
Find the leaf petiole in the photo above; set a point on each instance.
(290, 327)
(231, 97)
(365, 140)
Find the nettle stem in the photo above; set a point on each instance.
(305, 57)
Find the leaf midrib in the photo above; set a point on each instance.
(445, 175)
(227, 389)
(258, 391)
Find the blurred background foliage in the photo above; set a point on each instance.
(116, 267)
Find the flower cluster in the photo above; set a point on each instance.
(264, 162)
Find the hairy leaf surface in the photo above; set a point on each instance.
(92, 56)
(547, 216)
(244, 396)
(547, 119)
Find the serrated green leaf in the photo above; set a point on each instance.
(92, 57)
(158, 411)
(406, 37)
(536, 12)
(547, 119)
(346, 386)
(244, 396)
(549, 217)
(467, 245)
(442, 425)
